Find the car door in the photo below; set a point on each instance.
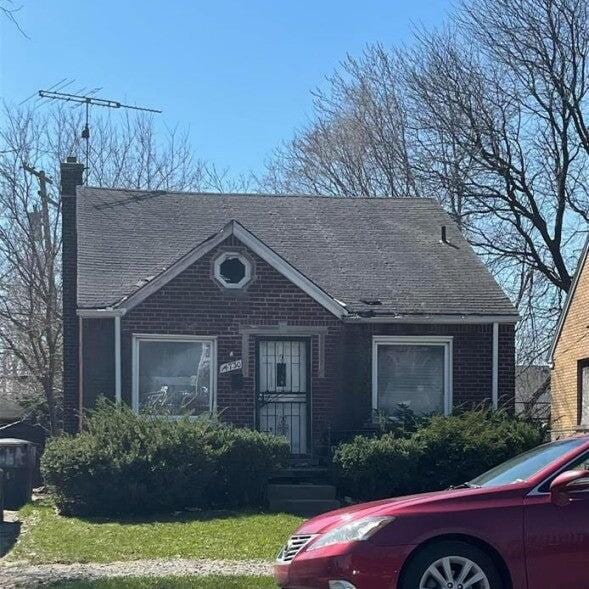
(556, 539)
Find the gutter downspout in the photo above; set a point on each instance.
(495, 377)
(80, 373)
(118, 395)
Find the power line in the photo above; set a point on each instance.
(89, 101)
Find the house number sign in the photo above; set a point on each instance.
(230, 366)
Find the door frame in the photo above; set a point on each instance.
(308, 340)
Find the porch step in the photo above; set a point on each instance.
(304, 507)
(301, 474)
(303, 499)
(303, 491)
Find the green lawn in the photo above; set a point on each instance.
(173, 583)
(48, 537)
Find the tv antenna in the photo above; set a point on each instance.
(89, 101)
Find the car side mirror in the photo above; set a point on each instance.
(566, 483)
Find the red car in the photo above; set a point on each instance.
(522, 525)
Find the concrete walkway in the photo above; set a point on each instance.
(15, 574)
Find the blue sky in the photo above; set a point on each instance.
(238, 74)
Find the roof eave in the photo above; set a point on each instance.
(434, 318)
(100, 313)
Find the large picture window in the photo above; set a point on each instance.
(413, 371)
(173, 375)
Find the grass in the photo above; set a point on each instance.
(50, 538)
(172, 583)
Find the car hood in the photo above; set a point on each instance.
(430, 502)
(325, 521)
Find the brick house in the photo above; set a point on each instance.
(295, 315)
(569, 357)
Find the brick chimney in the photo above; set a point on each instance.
(71, 177)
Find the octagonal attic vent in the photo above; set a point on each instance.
(233, 270)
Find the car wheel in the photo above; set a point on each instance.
(451, 565)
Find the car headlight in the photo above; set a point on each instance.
(358, 530)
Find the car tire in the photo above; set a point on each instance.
(429, 567)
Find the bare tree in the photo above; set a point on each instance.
(10, 11)
(359, 140)
(488, 116)
(526, 183)
(508, 89)
(127, 153)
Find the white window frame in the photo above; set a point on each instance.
(247, 266)
(582, 365)
(416, 340)
(157, 337)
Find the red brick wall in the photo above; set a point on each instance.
(472, 362)
(193, 304)
(98, 359)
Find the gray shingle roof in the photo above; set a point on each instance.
(355, 249)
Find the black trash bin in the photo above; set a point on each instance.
(17, 460)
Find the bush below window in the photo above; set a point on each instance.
(445, 451)
(125, 464)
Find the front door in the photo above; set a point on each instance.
(283, 391)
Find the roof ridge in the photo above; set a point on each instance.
(261, 194)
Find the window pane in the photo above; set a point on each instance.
(412, 375)
(585, 395)
(175, 377)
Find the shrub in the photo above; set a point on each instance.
(243, 459)
(402, 421)
(125, 464)
(445, 451)
(373, 468)
(459, 447)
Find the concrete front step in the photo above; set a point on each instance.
(301, 474)
(279, 492)
(304, 507)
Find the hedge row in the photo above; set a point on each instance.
(128, 464)
(444, 451)
(125, 464)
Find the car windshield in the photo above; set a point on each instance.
(524, 466)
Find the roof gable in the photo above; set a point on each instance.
(233, 228)
(355, 250)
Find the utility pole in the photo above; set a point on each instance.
(45, 202)
(48, 269)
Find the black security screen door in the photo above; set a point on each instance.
(282, 391)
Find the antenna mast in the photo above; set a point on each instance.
(89, 101)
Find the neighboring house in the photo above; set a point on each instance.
(569, 356)
(10, 410)
(290, 314)
(532, 391)
(13, 380)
